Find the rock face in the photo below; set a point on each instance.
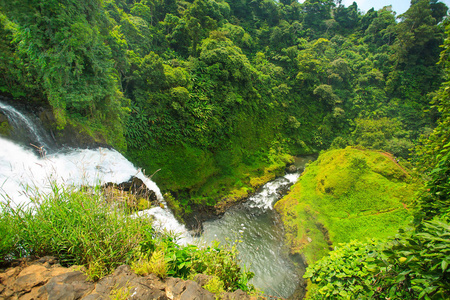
(46, 279)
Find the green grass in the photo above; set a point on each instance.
(353, 193)
(78, 227)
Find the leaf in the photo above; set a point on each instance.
(427, 291)
(343, 293)
(444, 265)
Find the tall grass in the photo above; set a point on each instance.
(78, 227)
(8, 235)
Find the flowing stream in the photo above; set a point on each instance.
(254, 224)
(259, 234)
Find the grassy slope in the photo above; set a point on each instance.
(346, 194)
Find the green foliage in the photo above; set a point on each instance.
(186, 261)
(156, 264)
(382, 134)
(80, 227)
(346, 273)
(413, 265)
(215, 286)
(228, 78)
(418, 263)
(8, 235)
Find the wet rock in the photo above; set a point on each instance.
(291, 169)
(5, 127)
(3, 118)
(133, 192)
(137, 187)
(284, 189)
(48, 119)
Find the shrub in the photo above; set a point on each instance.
(215, 286)
(157, 264)
(80, 227)
(413, 265)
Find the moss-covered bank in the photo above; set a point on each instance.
(346, 194)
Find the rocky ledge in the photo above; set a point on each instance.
(45, 278)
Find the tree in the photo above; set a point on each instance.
(315, 13)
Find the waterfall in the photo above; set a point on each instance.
(27, 130)
(22, 171)
(269, 193)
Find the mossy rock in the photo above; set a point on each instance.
(5, 129)
(346, 194)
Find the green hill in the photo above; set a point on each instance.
(346, 194)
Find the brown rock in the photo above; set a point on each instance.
(30, 277)
(194, 291)
(69, 285)
(239, 294)
(46, 279)
(202, 279)
(175, 287)
(291, 169)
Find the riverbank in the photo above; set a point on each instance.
(194, 211)
(256, 230)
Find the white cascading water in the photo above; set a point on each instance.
(24, 126)
(259, 232)
(23, 171)
(268, 195)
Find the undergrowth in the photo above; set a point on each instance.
(78, 227)
(412, 265)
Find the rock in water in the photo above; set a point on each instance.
(291, 169)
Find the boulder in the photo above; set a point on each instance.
(291, 169)
(133, 192)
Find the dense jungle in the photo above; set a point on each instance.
(213, 98)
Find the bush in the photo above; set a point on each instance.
(413, 265)
(221, 262)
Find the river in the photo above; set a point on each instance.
(256, 230)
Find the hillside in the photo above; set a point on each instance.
(347, 194)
